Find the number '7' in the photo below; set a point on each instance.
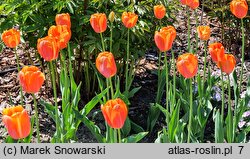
(241, 148)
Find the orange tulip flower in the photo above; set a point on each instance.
(159, 11)
(204, 32)
(170, 30)
(61, 33)
(105, 64)
(63, 19)
(98, 22)
(216, 51)
(31, 79)
(194, 4)
(129, 19)
(187, 65)
(11, 37)
(17, 122)
(239, 8)
(165, 38)
(115, 113)
(228, 63)
(185, 2)
(48, 48)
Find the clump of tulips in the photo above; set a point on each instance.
(186, 110)
(114, 109)
(187, 66)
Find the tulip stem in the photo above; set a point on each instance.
(242, 53)
(43, 69)
(111, 88)
(111, 37)
(107, 84)
(119, 136)
(202, 11)
(205, 63)
(159, 79)
(111, 42)
(127, 63)
(111, 134)
(114, 135)
(230, 125)
(222, 98)
(103, 46)
(190, 111)
(160, 23)
(188, 29)
(18, 68)
(204, 70)
(167, 108)
(56, 75)
(174, 76)
(196, 35)
(71, 77)
(37, 119)
(63, 63)
(50, 74)
(55, 98)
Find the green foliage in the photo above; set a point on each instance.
(219, 128)
(134, 138)
(68, 123)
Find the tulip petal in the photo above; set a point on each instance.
(11, 126)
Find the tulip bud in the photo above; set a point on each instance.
(111, 17)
